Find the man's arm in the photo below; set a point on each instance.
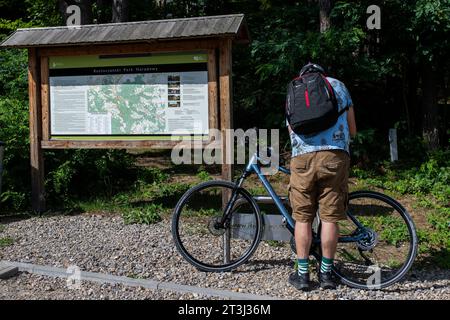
(351, 121)
(288, 126)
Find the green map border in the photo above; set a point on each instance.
(92, 61)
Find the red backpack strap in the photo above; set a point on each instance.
(330, 88)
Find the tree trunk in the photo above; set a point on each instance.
(324, 15)
(120, 11)
(430, 110)
(414, 107)
(85, 9)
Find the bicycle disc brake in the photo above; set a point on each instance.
(214, 226)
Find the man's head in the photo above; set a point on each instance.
(311, 67)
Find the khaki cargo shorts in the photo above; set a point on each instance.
(319, 180)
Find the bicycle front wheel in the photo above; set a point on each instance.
(387, 244)
(200, 238)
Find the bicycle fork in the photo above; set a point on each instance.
(225, 221)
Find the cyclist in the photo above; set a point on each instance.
(319, 176)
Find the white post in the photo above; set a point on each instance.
(393, 144)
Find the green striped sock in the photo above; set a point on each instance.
(303, 266)
(326, 265)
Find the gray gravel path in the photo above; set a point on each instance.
(105, 244)
(35, 287)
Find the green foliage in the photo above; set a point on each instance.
(391, 229)
(80, 173)
(143, 215)
(278, 244)
(203, 175)
(14, 132)
(69, 174)
(13, 75)
(435, 247)
(363, 144)
(17, 201)
(429, 182)
(9, 26)
(429, 177)
(44, 13)
(170, 189)
(6, 242)
(431, 26)
(257, 190)
(152, 175)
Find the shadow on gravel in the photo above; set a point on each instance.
(260, 265)
(14, 218)
(434, 259)
(7, 219)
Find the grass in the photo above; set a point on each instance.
(204, 176)
(391, 229)
(7, 241)
(146, 215)
(275, 243)
(394, 264)
(152, 197)
(257, 190)
(427, 186)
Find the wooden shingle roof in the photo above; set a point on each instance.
(232, 25)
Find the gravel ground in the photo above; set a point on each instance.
(105, 244)
(31, 287)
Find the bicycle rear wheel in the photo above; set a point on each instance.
(199, 238)
(387, 250)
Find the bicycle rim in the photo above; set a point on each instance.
(200, 242)
(384, 257)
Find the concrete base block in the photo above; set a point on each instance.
(8, 271)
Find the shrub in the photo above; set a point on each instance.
(144, 215)
(82, 173)
(203, 175)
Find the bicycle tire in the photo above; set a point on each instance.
(179, 243)
(413, 241)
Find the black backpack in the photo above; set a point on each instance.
(311, 105)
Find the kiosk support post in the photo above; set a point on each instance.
(226, 122)
(36, 153)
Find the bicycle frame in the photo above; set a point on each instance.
(253, 167)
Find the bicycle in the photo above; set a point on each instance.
(376, 247)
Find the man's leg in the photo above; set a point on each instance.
(329, 237)
(303, 202)
(333, 197)
(303, 238)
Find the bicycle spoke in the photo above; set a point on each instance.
(201, 235)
